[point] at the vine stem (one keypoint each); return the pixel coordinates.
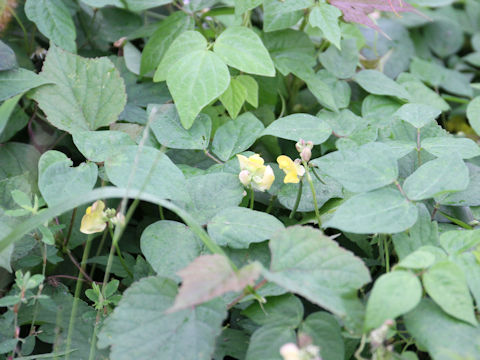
(314, 193)
(212, 157)
(76, 298)
(297, 200)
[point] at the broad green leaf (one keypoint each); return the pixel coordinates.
(146, 169)
(196, 79)
(53, 20)
(169, 131)
(300, 126)
(312, 265)
(444, 146)
(6, 110)
(325, 17)
(377, 83)
(266, 341)
(292, 51)
(241, 6)
(184, 44)
(444, 337)
(446, 284)
(418, 115)
(18, 159)
(133, 5)
(14, 82)
(278, 310)
(419, 259)
(242, 49)
(343, 123)
(6, 253)
(238, 227)
(445, 174)
(169, 246)
(467, 261)
(340, 89)
(325, 190)
(471, 195)
(341, 63)
(97, 145)
(251, 85)
(401, 148)
(211, 194)
(156, 47)
(393, 294)
(326, 333)
(423, 233)
(444, 37)
(132, 57)
(473, 114)
(140, 328)
(210, 276)
(383, 210)
(232, 342)
(456, 242)
(361, 169)
(234, 97)
(420, 93)
(236, 136)
(280, 15)
(58, 180)
(88, 93)
(8, 60)
(321, 91)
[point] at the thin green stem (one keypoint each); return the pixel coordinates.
(456, 221)
(318, 176)
(387, 254)
(160, 210)
(297, 200)
(78, 289)
(314, 193)
(419, 148)
(93, 343)
(20, 23)
(120, 256)
(252, 198)
(99, 251)
(270, 204)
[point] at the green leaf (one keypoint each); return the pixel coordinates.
(445, 174)
(132, 57)
(341, 63)
(146, 169)
(133, 5)
(445, 283)
(210, 276)
(300, 126)
(471, 195)
(473, 114)
(443, 146)
(242, 49)
(6, 253)
(280, 15)
(418, 115)
(420, 93)
(156, 47)
(184, 44)
(456, 242)
(321, 91)
(169, 131)
(88, 93)
(140, 328)
(383, 210)
(393, 294)
(312, 265)
(241, 6)
(97, 145)
(266, 341)
(169, 246)
(278, 310)
(58, 180)
(8, 60)
(6, 110)
(14, 82)
(238, 227)
(325, 17)
(419, 259)
(361, 169)
(443, 336)
(211, 194)
(53, 20)
(377, 83)
(196, 79)
(251, 85)
(234, 97)
(326, 333)
(444, 37)
(236, 136)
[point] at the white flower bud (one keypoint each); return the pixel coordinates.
(290, 351)
(244, 177)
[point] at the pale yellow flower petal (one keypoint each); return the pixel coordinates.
(291, 177)
(94, 219)
(285, 162)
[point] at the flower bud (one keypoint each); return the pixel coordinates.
(290, 351)
(306, 154)
(300, 145)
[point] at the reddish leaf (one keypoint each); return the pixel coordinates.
(358, 10)
(209, 276)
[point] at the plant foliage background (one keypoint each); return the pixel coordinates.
(136, 221)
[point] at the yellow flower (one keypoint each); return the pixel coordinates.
(292, 169)
(95, 219)
(254, 173)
